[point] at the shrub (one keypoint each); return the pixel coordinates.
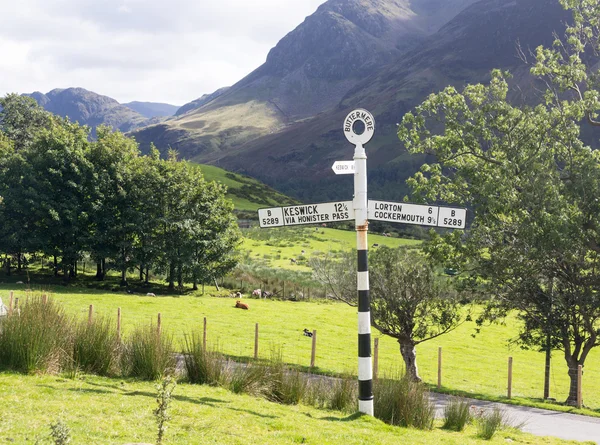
(148, 354)
(456, 414)
(36, 338)
(95, 346)
(343, 395)
(249, 378)
(163, 399)
(202, 367)
(403, 402)
(488, 422)
(60, 433)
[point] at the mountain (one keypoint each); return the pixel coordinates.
(484, 36)
(202, 100)
(308, 72)
(89, 108)
(152, 109)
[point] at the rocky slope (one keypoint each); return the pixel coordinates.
(308, 72)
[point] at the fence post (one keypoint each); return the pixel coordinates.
(158, 324)
(17, 305)
(256, 342)
(90, 314)
(579, 386)
(119, 324)
(204, 335)
(376, 358)
(44, 298)
(439, 382)
(314, 349)
(10, 302)
(510, 369)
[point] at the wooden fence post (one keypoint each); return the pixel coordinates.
(10, 302)
(158, 324)
(439, 382)
(204, 335)
(44, 298)
(17, 305)
(119, 324)
(90, 314)
(376, 359)
(510, 375)
(579, 386)
(256, 342)
(314, 349)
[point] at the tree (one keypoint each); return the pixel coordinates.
(409, 302)
(21, 119)
(115, 215)
(532, 185)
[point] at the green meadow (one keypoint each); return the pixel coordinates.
(110, 411)
(475, 366)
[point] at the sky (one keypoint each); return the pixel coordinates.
(170, 51)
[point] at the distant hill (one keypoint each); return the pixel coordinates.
(152, 109)
(92, 109)
(247, 194)
(308, 72)
(201, 101)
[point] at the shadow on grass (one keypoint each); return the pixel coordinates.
(349, 418)
(254, 413)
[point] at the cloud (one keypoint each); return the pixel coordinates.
(140, 49)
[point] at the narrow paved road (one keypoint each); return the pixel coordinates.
(537, 421)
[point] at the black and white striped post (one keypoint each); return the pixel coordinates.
(365, 370)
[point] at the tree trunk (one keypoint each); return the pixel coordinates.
(195, 282)
(147, 275)
(99, 275)
(55, 266)
(409, 354)
(171, 277)
(141, 272)
(19, 262)
(572, 399)
(8, 267)
(547, 367)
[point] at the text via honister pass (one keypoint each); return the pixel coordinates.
(306, 214)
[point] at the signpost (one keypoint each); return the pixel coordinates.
(361, 210)
(327, 212)
(343, 167)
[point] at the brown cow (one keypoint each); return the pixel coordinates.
(241, 305)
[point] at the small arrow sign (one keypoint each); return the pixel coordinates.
(343, 167)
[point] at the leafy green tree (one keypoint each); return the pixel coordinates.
(21, 119)
(532, 186)
(114, 213)
(60, 177)
(410, 302)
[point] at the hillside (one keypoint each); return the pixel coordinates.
(308, 72)
(152, 109)
(247, 194)
(481, 38)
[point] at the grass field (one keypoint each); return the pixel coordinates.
(278, 245)
(246, 193)
(476, 366)
(108, 411)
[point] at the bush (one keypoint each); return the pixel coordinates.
(249, 378)
(343, 395)
(96, 346)
(202, 367)
(403, 402)
(456, 414)
(488, 422)
(148, 354)
(35, 338)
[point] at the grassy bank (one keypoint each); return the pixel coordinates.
(473, 365)
(104, 411)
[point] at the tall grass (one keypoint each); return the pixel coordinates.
(36, 338)
(202, 367)
(148, 354)
(343, 395)
(456, 414)
(96, 346)
(251, 378)
(489, 422)
(403, 402)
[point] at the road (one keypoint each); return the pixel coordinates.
(537, 421)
